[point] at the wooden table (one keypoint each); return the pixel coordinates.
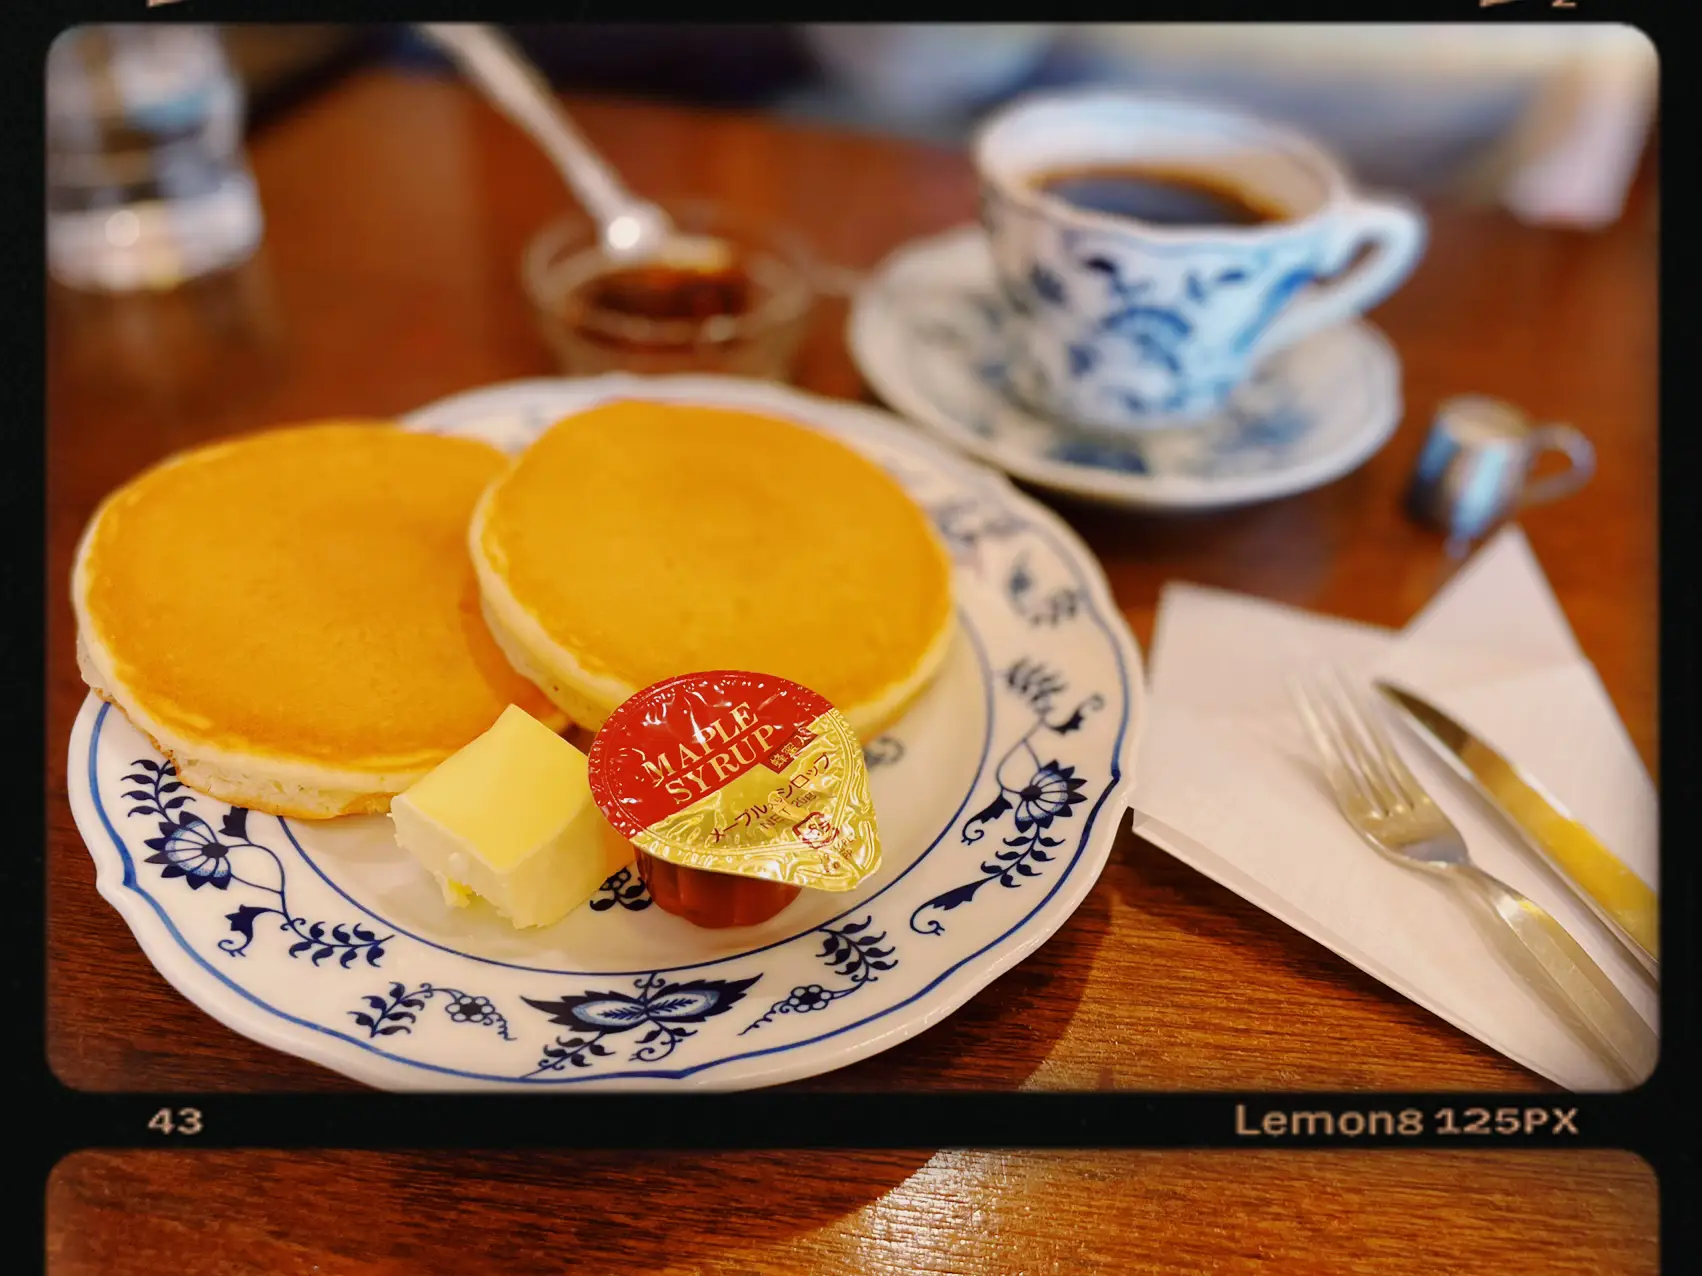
(1397, 1213)
(397, 208)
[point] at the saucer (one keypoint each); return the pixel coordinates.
(927, 333)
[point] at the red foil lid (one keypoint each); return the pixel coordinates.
(740, 773)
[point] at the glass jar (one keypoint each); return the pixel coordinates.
(743, 313)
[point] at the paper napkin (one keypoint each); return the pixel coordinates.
(1229, 784)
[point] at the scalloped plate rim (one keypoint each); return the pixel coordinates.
(237, 1010)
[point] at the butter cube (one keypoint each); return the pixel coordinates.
(454, 894)
(510, 819)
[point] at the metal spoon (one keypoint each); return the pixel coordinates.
(633, 229)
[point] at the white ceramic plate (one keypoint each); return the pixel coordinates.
(927, 333)
(998, 797)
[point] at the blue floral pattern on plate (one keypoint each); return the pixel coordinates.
(665, 1008)
(327, 941)
(400, 1007)
(189, 848)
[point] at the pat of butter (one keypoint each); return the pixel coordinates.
(510, 819)
(454, 894)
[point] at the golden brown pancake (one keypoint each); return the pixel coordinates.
(639, 540)
(292, 617)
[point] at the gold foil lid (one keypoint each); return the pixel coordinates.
(739, 773)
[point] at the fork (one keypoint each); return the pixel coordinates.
(1391, 811)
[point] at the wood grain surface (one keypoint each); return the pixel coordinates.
(397, 208)
(869, 1213)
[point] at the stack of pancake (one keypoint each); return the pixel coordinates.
(307, 620)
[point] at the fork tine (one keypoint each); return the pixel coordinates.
(1405, 787)
(1385, 793)
(1344, 778)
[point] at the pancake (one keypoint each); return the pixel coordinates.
(292, 618)
(640, 540)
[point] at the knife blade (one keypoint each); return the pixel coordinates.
(1618, 897)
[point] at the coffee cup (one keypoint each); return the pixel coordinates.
(1152, 251)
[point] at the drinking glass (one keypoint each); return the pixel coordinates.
(147, 181)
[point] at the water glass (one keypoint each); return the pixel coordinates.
(147, 181)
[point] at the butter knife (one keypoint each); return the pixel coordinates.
(1617, 896)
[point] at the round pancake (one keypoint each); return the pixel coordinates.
(639, 540)
(292, 617)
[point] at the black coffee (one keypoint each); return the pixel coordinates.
(1162, 197)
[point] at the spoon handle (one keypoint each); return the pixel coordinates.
(514, 86)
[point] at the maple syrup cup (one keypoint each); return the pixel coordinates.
(737, 790)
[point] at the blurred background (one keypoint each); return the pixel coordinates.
(1549, 120)
(149, 186)
(148, 183)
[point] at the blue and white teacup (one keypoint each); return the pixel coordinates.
(1117, 323)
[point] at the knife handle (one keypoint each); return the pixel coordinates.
(1618, 897)
(1565, 966)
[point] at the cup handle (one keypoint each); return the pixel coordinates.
(1395, 230)
(1576, 448)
